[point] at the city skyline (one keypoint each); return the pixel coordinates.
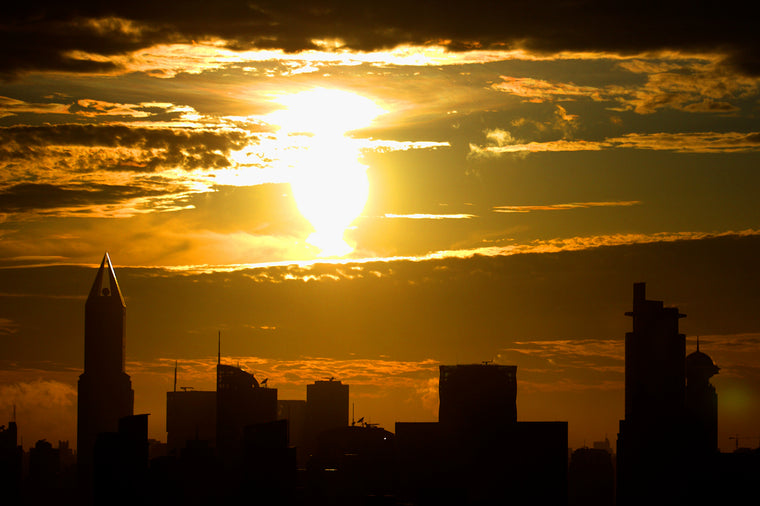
(367, 191)
(380, 387)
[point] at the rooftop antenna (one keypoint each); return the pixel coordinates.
(175, 375)
(353, 408)
(697, 343)
(219, 349)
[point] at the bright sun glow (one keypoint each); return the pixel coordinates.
(329, 184)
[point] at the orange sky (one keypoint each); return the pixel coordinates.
(343, 191)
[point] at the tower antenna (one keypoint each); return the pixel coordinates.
(219, 349)
(175, 375)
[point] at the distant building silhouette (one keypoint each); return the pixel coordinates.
(591, 478)
(105, 390)
(294, 411)
(474, 396)
(602, 445)
(702, 404)
(240, 401)
(44, 464)
(190, 415)
(326, 407)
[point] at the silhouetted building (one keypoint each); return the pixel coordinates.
(351, 465)
(121, 463)
(653, 440)
(478, 453)
(269, 463)
(105, 389)
(602, 445)
(44, 466)
(11, 459)
(591, 478)
(294, 411)
(190, 415)
(477, 395)
(240, 401)
(326, 407)
(701, 404)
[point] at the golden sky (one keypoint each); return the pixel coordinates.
(367, 191)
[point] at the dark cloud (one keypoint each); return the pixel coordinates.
(40, 197)
(42, 35)
(121, 136)
(160, 147)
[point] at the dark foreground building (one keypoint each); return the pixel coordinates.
(105, 390)
(478, 453)
(190, 416)
(667, 450)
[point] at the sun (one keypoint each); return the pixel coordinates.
(324, 112)
(329, 184)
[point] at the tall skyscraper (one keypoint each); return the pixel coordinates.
(105, 389)
(655, 367)
(652, 440)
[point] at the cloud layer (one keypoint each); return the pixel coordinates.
(85, 37)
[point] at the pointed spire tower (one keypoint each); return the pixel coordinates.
(105, 389)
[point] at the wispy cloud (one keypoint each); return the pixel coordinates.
(686, 142)
(44, 408)
(8, 327)
(304, 370)
(539, 90)
(424, 216)
(564, 207)
(697, 86)
(356, 267)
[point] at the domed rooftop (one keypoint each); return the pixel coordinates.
(700, 363)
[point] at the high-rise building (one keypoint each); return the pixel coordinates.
(477, 395)
(104, 389)
(326, 407)
(655, 367)
(652, 440)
